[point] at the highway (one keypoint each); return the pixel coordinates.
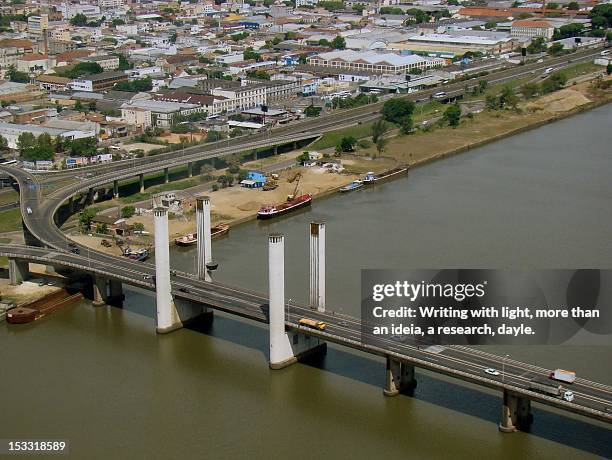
(591, 399)
(312, 127)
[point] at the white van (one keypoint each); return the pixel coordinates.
(549, 70)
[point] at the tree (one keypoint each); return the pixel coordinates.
(3, 144)
(552, 6)
(556, 49)
(452, 115)
(537, 45)
(609, 68)
(124, 63)
(101, 229)
(128, 211)
(407, 125)
(312, 111)
(554, 82)
(573, 6)
(16, 76)
(338, 43)
(508, 97)
(138, 227)
(347, 144)
(85, 219)
(249, 54)
(79, 20)
(529, 90)
(569, 30)
(213, 136)
(379, 128)
(601, 16)
(380, 145)
(396, 110)
(25, 141)
(84, 147)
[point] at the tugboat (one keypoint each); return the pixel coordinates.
(356, 184)
(293, 202)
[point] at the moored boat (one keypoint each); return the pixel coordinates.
(186, 240)
(273, 210)
(192, 238)
(356, 184)
(372, 178)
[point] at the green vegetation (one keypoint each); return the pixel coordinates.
(391, 10)
(569, 30)
(379, 128)
(312, 111)
(32, 148)
(10, 221)
(84, 147)
(357, 101)
(128, 211)
(16, 76)
(397, 110)
(82, 68)
(258, 74)
(135, 86)
(452, 115)
(85, 218)
(332, 5)
(346, 144)
(331, 139)
(601, 16)
(249, 54)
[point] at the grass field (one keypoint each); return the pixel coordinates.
(332, 138)
(10, 221)
(8, 196)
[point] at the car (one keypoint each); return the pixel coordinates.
(29, 210)
(42, 283)
(173, 272)
(72, 245)
(568, 396)
(440, 95)
(146, 277)
(492, 371)
(184, 289)
(75, 251)
(549, 70)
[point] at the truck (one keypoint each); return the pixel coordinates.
(542, 385)
(311, 323)
(563, 375)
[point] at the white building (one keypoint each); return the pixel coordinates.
(532, 29)
(161, 113)
(11, 132)
(371, 61)
(69, 10)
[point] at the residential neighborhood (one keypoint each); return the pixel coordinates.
(114, 69)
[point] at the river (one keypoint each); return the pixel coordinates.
(103, 379)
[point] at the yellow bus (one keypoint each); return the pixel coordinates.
(320, 325)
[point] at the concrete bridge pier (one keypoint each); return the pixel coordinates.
(254, 154)
(167, 316)
(71, 205)
(317, 266)
(89, 199)
(141, 180)
(115, 294)
(205, 262)
(166, 175)
(276, 150)
(516, 413)
(190, 169)
(19, 271)
(285, 349)
(100, 291)
(115, 189)
(399, 378)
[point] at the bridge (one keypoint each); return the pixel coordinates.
(196, 294)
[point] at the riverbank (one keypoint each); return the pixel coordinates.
(236, 205)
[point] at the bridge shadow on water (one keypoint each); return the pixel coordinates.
(432, 389)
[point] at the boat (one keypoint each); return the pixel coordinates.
(356, 184)
(372, 178)
(192, 238)
(293, 202)
(273, 210)
(136, 254)
(186, 240)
